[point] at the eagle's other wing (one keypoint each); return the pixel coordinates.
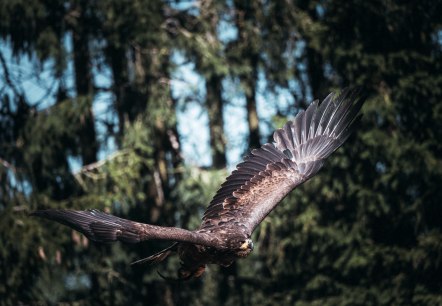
(269, 173)
(101, 227)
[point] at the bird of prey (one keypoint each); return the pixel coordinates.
(247, 196)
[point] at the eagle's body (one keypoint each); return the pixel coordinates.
(247, 196)
(194, 258)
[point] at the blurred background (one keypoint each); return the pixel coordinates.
(141, 108)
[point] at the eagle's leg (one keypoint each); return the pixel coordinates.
(184, 273)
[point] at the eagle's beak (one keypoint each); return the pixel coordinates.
(251, 246)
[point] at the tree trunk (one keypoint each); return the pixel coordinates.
(252, 113)
(214, 104)
(84, 85)
(248, 40)
(315, 72)
(118, 63)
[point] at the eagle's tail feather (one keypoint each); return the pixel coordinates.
(157, 257)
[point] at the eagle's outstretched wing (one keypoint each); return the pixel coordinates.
(101, 227)
(251, 192)
(269, 173)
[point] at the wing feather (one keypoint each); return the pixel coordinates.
(101, 227)
(269, 173)
(248, 168)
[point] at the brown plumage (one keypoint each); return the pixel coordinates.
(247, 196)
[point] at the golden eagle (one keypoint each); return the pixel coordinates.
(247, 196)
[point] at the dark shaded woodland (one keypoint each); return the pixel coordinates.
(366, 231)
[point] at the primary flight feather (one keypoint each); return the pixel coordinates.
(247, 196)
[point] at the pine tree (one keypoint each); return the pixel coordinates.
(366, 230)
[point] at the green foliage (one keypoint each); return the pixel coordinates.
(194, 191)
(366, 231)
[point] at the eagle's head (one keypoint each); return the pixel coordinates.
(245, 248)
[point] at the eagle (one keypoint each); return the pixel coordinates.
(248, 195)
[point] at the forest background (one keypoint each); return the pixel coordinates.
(141, 108)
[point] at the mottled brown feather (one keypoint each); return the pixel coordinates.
(247, 196)
(273, 170)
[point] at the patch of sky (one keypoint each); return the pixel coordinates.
(271, 101)
(192, 6)
(235, 122)
(438, 38)
(103, 110)
(380, 167)
(39, 86)
(187, 86)
(320, 10)
(34, 81)
(68, 79)
(188, 89)
(77, 281)
(101, 107)
(21, 185)
(226, 31)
